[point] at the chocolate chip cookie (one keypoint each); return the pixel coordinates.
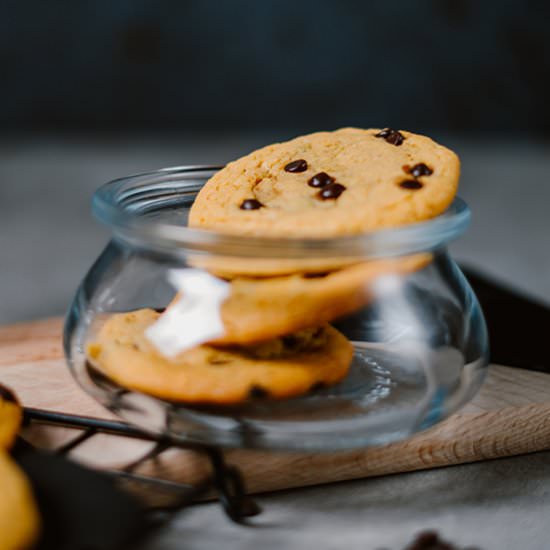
(330, 184)
(276, 369)
(260, 309)
(19, 519)
(11, 416)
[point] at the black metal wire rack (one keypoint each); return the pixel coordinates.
(226, 480)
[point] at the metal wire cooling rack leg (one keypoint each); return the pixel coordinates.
(225, 479)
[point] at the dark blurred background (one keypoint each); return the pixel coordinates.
(451, 65)
(90, 91)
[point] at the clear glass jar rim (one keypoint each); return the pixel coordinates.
(112, 207)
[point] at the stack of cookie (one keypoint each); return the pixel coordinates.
(277, 342)
(19, 517)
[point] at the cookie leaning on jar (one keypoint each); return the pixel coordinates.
(321, 186)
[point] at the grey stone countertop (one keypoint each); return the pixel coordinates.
(48, 239)
(497, 505)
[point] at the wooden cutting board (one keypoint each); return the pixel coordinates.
(510, 416)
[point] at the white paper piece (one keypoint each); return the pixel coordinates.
(195, 318)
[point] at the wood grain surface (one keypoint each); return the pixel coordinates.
(509, 416)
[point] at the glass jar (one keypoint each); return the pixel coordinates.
(420, 340)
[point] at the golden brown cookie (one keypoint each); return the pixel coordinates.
(19, 518)
(330, 184)
(211, 375)
(11, 416)
(260, 309)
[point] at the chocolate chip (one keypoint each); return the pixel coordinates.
(318, 332)
(413, 185)
(315, 275)
(420, 169)
(430, 540)
(250, 204)
(331, 191)
(291, 341)
(391, 136)
(299, 165)
(425, 541)
(317, 386)
(7, 395)
(320, 180)
(257, 392)
(214, 361)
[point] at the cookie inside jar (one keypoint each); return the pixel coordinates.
(280, 368)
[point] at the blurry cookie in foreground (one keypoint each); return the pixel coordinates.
(324, 185)
(278, 369)
(260, 309)
(11, 417)
(19, 518)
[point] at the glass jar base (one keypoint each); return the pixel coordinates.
(386, 396)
